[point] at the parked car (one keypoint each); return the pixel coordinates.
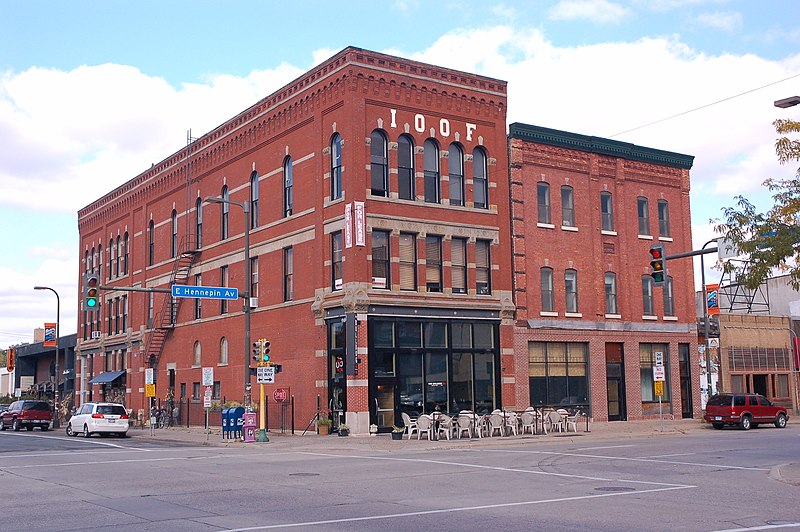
(4, 407)
(744, 409)
(28, 414)
(99, 418)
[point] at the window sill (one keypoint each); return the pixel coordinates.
(613, 316)
(665, 238)
(649, 318)
(222, 364)
(670, 318)
(573, 315)
(645, 237)
(608, 233)
(545, 226)
(549, 314)
(570, 228)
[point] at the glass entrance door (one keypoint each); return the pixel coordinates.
(615, 383)
(383, 398)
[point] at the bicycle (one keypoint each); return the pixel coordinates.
(164, 418)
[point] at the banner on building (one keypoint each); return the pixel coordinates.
(360, 224)
(712, 298)
(348, 225)
(49, 335)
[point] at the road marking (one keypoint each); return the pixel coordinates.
(497, 468)
(667, 455)
(630, 459)
(71, 438)
(604, 447)
(763, 527)
(96, 462)
(451, 510)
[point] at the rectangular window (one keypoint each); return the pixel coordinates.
(648, 309)
(480, 182)
(288, 270)
(380, 259)
(216, 391)
(663, 218)
(611, 293)
(150, 303)
(431, 171)
(546, 282)
(223, 281)
(433, 263)
(558, 373)
(567, 207)
(483, 267)
(543, 203)
(196, 390)
(606, 211)
(124, 313)
(455, 162)
(336, 260)
(405, 167)
(669, 301)
(644, 216)
(571, 290)
(647, 358)
(379, 168)
(198, 309)
(408, 261)
(253, 277)
(458, 259)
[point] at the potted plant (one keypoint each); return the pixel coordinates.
(397, 432)
(344, 430)
(324, 426)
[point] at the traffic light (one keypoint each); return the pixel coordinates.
(658, 264)
(257, 350)
(11, 356)
(91, 291)
(265, 350)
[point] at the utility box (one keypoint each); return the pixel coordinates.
(249, 427)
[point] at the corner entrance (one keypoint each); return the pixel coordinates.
(615, 382)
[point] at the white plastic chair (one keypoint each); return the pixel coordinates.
(512, 422)
(465, 422)
(445, 425)
(424, 424)
(410, 424)
(555, 421)
(528, 421)
(496, 423)
(572, 421)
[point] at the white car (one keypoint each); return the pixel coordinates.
(100, 418)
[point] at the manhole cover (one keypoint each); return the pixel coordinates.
(303, 474)
(614, 488)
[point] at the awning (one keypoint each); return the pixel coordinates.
(107, 376)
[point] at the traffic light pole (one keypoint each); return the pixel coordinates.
(58, 345)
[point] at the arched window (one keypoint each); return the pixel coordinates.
(125, 251)
(223, 351)
(571, 290)
(610, 280)
(606, 211)
(379, 163)
(151, 245)
(431, 171)
(405, 168)
(198, 226)
(86, 261)
(669, 301)
(118, 252)
(336, 166)
(663, 219)
(480, 179)
(112, 251)
(543, 203)
(567, 206)
(546, 281)
(648, 308)
(643, 211)
(225, 210)
(288, 198)
(198, 355)
(455, 170)
(254, 199)
(174, 240)
(99, 260)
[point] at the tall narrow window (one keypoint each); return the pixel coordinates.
(336, 166)
(647, 296)
(571, 290)
(198, 359)
(124, 308)
(288, 272)
(480, 180)
(288, 198)
(433, 263)
(567, 207)
(198, 308)
(198, 226)
(379, 163)
(644, 216)
(174, 240)
(336, 260)
(455, 167)
(225, 210)
(546, 281)
(125, 251)
(458, 259)
(223, 351)
(112, 252)
(431, 171)
(253, 277)
(543, 203)
(118, 253)
(483, 267)
(254, 199)
(606, 211)
(611, 293)
(408, 261)
(669, 301)
(380, 259)
(405, 168)
(150, 309)
(223, 281)
(663, 218)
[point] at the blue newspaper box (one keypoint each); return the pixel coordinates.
(232, 422)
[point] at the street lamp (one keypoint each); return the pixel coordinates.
(791, 101)
(245, 205)
(58, 341)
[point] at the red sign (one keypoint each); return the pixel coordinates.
(279, 395)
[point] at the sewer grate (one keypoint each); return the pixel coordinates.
(303, 474)
(614, 488)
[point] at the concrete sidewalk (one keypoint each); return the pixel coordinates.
(598, 432)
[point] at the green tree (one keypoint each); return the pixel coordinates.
(770, 239)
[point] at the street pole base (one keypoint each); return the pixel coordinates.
(262, 436)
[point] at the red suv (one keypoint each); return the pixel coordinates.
(744, 409)
(27, 414)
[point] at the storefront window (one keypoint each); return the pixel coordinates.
(557, 373)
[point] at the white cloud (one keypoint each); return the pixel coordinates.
(729, 21)
(594, 10)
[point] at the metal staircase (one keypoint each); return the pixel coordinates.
(164, 321)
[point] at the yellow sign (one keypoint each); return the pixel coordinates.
(150, 390)
(659, 388)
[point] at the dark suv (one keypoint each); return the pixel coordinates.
(744, 409)
(27, 414)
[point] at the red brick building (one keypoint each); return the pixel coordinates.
(591, 324)
(376, 189)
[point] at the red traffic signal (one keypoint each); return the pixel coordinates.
(658, 264)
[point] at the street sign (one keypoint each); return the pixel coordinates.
(659, 388)
(150, 390)
(148, 376)
(265, 375)
(659, 358)
(713, 342)
(659, 375)
(280, 395)
(205, 292)
(208, 376)
(207, 398)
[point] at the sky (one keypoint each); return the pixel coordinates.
(94, 92)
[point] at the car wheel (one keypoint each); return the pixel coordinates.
(86, 432)
(746, 423)
(2, 426)
(29, 428)
(122, 434)
(16, 426)
(70, 432)
(718, 426)
(780, 421)
(44, 428)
